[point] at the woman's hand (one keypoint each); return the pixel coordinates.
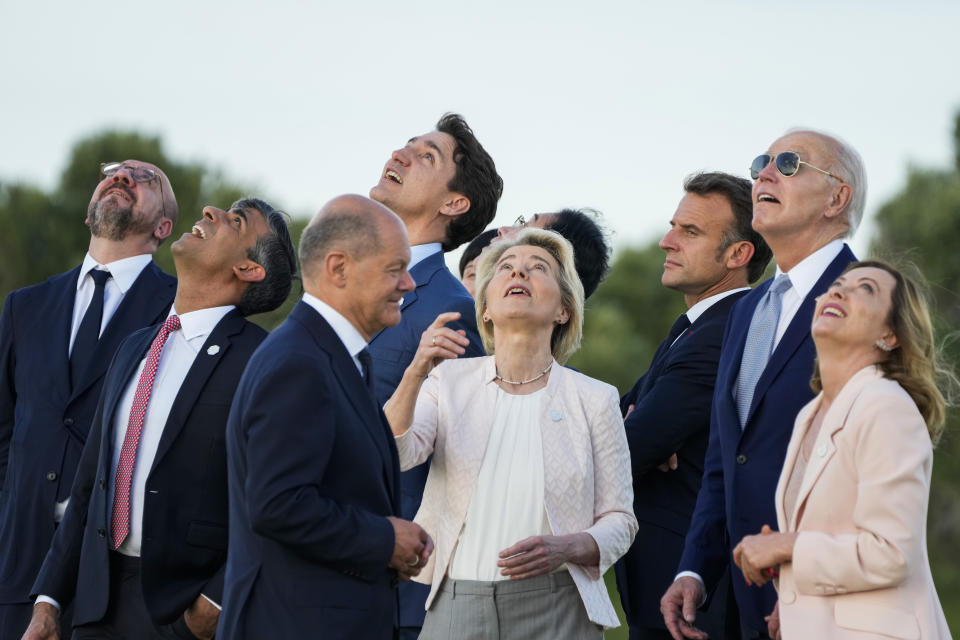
(773, 622)
(538, 555)
(438, 343)
(760, 556)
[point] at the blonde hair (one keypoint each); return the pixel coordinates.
(566, 337)
(915, 364)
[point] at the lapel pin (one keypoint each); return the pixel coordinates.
(556, 415)
(213, 350)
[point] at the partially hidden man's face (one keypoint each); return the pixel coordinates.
(414, 180)
(693, 263)
(121, 206)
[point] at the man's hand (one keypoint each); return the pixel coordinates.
(679, 608)
(201, 618)
(412, 547)
(773, 622)
(44, 623)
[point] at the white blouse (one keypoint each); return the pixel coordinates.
(507, 503)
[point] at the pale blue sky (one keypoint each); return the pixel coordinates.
(601, 104)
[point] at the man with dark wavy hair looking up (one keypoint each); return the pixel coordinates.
(444, 186)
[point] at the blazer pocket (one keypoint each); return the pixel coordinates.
(884, 621)
(206, 534)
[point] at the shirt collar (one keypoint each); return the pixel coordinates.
(806, 273)
(699, 308)
(200, 323)
(123, 272)
(421, 252)
(351, 338)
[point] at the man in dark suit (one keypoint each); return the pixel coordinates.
(315, 549)
(712, 254)
(444, 186)
(141, 550)
(56, 340)
(808, 193)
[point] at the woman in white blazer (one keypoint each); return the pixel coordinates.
(852, 497)
(529, 495)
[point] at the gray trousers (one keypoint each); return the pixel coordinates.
(547, 607)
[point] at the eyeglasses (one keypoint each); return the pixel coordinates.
(139, 174)
(788, 163)
(520, 221)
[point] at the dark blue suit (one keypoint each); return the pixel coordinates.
(742, 467)
(43, 421)
(184, 546)
(313, 474)
(392, 351)
(671, 415)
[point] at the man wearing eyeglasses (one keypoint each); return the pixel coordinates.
(808, 194)
(444, 186)
(56, 340)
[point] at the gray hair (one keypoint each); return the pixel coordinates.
(847, 164)
(357, 235)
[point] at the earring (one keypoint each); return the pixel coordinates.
(883, 346)
(486, 318)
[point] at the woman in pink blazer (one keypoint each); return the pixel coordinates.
(852, 497)
(529, 496)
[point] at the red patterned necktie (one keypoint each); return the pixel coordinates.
(120, 527)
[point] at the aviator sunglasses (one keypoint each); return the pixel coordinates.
(788, 163)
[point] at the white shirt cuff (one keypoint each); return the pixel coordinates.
(207, 598)
(48, 600)
(703, 587)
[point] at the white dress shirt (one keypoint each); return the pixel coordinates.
(421, 252)
(123, 273)
(348, 334)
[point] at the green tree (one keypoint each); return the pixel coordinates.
(921, 224)
(42, 234)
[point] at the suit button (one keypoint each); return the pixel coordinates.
(787, 597)
(101, 533)
(741, 459)
(68, 422)
(51, 476)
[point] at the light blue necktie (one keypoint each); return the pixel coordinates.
(759, 346)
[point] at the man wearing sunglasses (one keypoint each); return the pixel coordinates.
(808, 194)
(56, 340)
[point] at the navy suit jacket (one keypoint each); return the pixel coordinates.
(392, 351)
(184, 545)
(671, 415)
(43, 421)
(313, 474)
(742, 467)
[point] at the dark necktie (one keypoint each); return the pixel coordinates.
(367, 363)
(88, 333)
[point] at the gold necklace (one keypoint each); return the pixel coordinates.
(518, 382)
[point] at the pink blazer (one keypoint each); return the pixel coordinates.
(588, 486)
(860, 567)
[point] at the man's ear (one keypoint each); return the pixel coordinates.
(336, 264)
(163, 229)
(738, 254)
(455, 205)
(839, 201)
(249, 271)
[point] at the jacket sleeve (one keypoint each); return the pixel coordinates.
(892, 458)
(416, 445)
(676, 408)
(614, 524)
(287, 449)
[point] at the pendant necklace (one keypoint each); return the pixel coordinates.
(519, 382)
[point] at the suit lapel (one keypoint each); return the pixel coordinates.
(145, 302)
(352, 384)
(58, 357)
(472, 433)
(204, 364)
(421, 273)
(799, 328)
(121, 377)
(835, 419)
